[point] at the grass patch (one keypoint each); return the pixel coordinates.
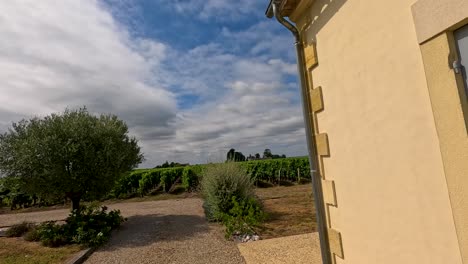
(18, 251)
(290, 209)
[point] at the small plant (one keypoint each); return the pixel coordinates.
(219, 184)
(243, 217)
(18, 229)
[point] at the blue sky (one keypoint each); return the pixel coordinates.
(191, 78)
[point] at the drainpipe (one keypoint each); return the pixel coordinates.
(310, 132)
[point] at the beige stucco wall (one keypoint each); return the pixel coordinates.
(432, 17)
(392, 198)
(448, 100)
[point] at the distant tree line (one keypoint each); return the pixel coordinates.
(236, 156)
(171, 165)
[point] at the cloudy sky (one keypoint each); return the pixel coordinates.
(192, 78)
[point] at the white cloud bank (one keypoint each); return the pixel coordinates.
(67, 53)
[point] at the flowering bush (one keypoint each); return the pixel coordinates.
(90, 226)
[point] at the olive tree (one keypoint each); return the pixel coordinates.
(72, 154)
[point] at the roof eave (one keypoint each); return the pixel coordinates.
(269, 11)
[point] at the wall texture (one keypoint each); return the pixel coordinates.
(433, 17)
(384, 156)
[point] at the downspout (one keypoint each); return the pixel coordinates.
(310, 132)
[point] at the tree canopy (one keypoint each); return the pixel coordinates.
(267, 154)
(235, 156)
(73, 154)
(171, 165)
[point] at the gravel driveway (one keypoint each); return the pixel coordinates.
(169, 231)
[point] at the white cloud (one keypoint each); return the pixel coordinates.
(59, 54)
(67, 53)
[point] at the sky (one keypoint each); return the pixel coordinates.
(191, 78)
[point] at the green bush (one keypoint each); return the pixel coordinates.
(18, 229)
(220, 183)
(91, 226)
(53, 235)
(243, 217)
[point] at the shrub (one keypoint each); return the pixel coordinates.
(18, 229)
(52, 234)
(92, 226)
(220, 183)
(243, 217)
(33, 234)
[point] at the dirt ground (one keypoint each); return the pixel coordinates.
(175, 230)
(167, 231)
(291, 210)
(171, 231)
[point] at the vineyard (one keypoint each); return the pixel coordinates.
(143, 182)
(148, 181)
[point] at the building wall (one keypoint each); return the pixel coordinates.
(384, 156)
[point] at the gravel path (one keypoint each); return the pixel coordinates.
(33, 217)
(169, 231)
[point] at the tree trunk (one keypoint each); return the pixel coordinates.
(75, 198)
(76, 203)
